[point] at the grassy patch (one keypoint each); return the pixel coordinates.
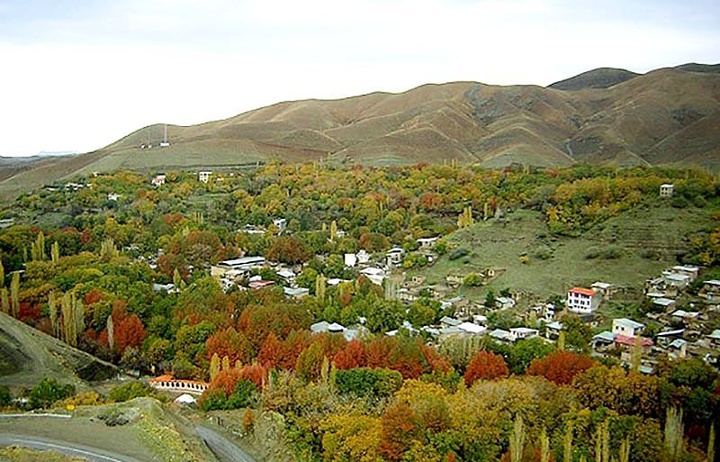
(624, 251)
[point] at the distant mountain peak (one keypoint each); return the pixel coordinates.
(602, 77)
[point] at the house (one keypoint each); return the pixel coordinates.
(677, 349)
(664, 303)
(665, 338)
(280, 224)
(296, 292)
(667, 189)
(243, 264)
(471, 328)
(715, 338)
(324, 326)
(350, 260)
(113, 197)
(376, 275)
(686, 316)
(552, 330)
(710, 291)
(504, 303)
(603, 340)
(688, 270)
(260, 284)
(626, 343)
(447, 321)
(427, 243)
(520, 333)
(405, 295)
(628, 327)
(363, 257)
(603, 288)
(581, 300)
(502, 335)
(158, 180)
(394, 256)
(288, 276)
(677, 280)
(453, 280)
(204, 176)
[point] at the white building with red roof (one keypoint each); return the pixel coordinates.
(582, 300)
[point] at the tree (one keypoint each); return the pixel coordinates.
(560, 367)
(47, 392)
(398, 430)
(485, 366)
(288, 249)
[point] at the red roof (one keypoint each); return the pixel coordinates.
(630, 341)
(169, 378)
(583, 291)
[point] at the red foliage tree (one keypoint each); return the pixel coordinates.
(230, 343)
(270, 351)
(485, 366)
(351, 357)
(93, 296)
(398, 428)
(226, 381)
(434, 359)
(128, 329)
(560, 367)
(256, 374)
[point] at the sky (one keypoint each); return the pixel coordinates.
(78, 75)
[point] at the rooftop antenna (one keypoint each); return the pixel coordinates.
(164, 143)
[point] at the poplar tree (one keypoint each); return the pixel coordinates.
(15, 294)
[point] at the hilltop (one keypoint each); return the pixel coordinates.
(605, 116)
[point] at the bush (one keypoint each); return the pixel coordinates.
(88, 398)
(47, 392)
(5, 397)
(472, 280)
(130, 391)
(458, 253)
(380, 383)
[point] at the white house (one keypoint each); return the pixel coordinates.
(581, 300)
(628, 327)
(204, 176)
(520, 333)
(394, 256)
(351, 260)
(427, 243)
(158, 180)
(667, 189)
(239, 264)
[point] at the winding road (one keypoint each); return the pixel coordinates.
(70, 449)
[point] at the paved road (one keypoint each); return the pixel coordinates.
(71, 449)
(224, 449)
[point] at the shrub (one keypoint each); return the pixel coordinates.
(458, 253)
(367, 382)
(47, 392)
(130, 391)
(472, 280)
(5, 397)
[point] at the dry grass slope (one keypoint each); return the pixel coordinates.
(605, 116)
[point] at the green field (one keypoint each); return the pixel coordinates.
(630, 248)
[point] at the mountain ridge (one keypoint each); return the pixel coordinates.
(603, 116)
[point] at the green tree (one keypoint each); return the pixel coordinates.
(47, 392)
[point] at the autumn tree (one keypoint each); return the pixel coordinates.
(560, 367)
(485, 366)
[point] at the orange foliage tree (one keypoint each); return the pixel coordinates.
(485, 366)
(398, 429)
(230, 343)
(352, 356)
(560, 367)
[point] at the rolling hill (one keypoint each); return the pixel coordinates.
(27, 355)
(604, 116)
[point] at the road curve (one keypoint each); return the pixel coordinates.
(224, 449)
(70, 449)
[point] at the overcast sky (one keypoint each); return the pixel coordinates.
(78, 75)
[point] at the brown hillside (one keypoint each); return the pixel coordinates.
(667, 116)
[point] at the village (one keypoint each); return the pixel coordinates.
(676, 306)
